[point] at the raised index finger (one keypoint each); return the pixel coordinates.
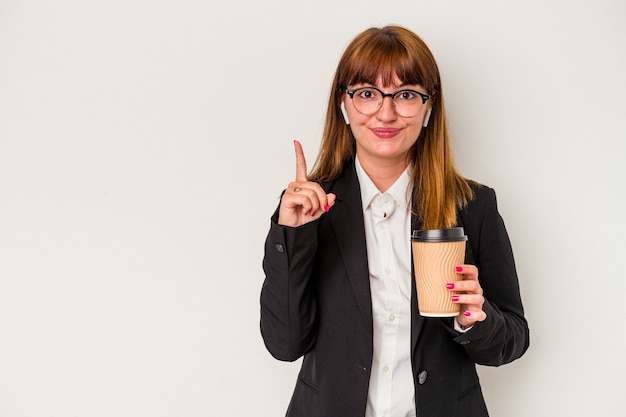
(300, 162)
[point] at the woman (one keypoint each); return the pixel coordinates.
(339, 288)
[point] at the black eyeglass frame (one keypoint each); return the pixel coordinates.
(425, 97)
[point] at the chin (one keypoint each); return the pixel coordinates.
(389, 151)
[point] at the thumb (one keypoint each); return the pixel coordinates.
(332, 198)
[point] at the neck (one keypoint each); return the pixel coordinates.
(383, 173)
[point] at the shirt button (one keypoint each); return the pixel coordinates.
(385, 368)
(392, 317)
(387, 271)
(381, 226)
(280, 248)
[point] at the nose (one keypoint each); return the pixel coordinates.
(387, 111)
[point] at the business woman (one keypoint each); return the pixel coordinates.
(339, 288)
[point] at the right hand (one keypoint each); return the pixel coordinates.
(303, 201)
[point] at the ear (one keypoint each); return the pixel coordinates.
(427, 117)
(344, 112)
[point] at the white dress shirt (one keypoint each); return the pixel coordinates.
(388, 236)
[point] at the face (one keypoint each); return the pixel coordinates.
(385, 137)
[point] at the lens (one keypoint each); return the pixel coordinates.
(367, 100)
(407, 103)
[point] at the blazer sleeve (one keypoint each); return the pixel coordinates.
(504, 335)
(288, 308)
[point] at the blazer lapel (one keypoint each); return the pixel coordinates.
(347, 221)
(417, 321)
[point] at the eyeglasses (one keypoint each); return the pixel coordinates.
(368, 100)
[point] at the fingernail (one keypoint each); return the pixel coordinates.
(326, 208)
(459, 268)
(455, 298)
(313, 214)
(467, 314)
(450, 285)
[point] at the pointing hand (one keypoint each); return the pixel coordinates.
(303, 200)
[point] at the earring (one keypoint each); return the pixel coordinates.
(427, 117)
(344, 113)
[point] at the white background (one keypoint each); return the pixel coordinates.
(144, 144)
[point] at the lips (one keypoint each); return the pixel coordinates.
(385, 133)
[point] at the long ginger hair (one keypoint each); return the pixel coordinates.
(383, 54)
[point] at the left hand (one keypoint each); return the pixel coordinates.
(470, 296)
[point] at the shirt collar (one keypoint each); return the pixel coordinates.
(399, 190)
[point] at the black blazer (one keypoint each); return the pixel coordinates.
(316, 302)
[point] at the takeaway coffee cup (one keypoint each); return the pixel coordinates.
(435, 254)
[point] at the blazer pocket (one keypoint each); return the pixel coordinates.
(471, 403)
(305, 401)
(468, 392)
(308, 386)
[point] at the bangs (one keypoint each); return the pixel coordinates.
(383, 59)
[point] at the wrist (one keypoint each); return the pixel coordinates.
(461, 327)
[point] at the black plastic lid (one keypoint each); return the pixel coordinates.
(455, 234)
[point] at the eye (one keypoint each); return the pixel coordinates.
(368, 94)
(406, 95)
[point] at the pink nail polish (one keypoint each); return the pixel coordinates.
(455, 298)
(467, 314)
(313, 214)
(450, 285)
(459, 269)
(326, 208)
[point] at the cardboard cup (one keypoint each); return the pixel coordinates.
(435, 254)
